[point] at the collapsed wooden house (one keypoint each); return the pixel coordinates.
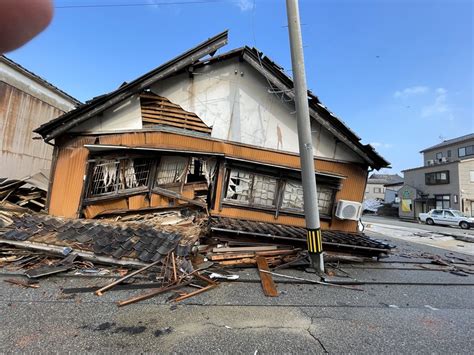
(216, 132)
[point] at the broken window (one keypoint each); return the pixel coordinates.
(252, 189)
(240, 185)
(171, 169)
(293, 197)
(119, 174)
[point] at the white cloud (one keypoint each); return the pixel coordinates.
(439, 106)
(381, 145)
(411, 91)
(244, 5)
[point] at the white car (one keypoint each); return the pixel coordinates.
(447, 217)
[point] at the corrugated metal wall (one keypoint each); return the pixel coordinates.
(20, 113)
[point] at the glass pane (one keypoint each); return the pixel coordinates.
(264, 189)
(240, 183)
(293, 195)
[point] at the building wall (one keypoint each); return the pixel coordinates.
(20, 113)
(70, 167)
(370, 189)
(123, 116)
(237, 102)
(406, 208)
(466, 183)
(416, 179)
(431, 154)
(25, 104)
(391, 193)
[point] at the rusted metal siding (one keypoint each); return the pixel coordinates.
(68, 177)
(20, 113)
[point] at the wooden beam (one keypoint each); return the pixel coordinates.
(269, 288)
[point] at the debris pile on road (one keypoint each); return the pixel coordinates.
(178, 249)
(28, 192)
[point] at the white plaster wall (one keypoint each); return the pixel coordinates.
(25, 83)
(123, 116)
(235, 100)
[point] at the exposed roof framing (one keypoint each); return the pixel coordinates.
(157, 110)
(62, 124)
(262, 64)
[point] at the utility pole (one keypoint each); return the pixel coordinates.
(308, 176)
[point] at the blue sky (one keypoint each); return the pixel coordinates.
(398, 72)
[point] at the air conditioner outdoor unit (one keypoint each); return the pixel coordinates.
(444, 160)
(430, 162)
(350, 210)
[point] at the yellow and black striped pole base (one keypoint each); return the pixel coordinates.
(314, 240)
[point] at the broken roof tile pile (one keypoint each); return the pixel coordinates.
(115, 239)
(332, 240)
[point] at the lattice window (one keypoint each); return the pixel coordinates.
(293, 197)
(111, 176)
(252, 189)
(264, 190)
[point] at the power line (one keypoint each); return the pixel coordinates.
(195, 2)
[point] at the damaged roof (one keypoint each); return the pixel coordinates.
(264, 65)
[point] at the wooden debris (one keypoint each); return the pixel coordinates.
(120, 280)
(22, 283)
(188, 295)
(269, 288)
(152, 294)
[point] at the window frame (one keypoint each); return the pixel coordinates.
(281, 183)
(118, 191)
(445, 199)
(466, 151)
(436, 180)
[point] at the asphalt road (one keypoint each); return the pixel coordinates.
(403, 308)
(397, 222)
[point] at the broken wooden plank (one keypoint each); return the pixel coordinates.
(100, 291)
(188, 295)
(152, 294)
(47, 270)
(178, 196)
(21, 283)
(244, 249)
(269, 288)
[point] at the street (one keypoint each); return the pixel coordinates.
(396, 222)
(449, 238)
(408, 305)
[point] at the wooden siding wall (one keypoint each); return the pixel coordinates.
(72, 156)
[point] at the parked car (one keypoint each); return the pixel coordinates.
(447, 217)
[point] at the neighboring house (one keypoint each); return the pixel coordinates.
(391, 192)
(218, 132)
(375, 189)
(445, 181)
(26, 101)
